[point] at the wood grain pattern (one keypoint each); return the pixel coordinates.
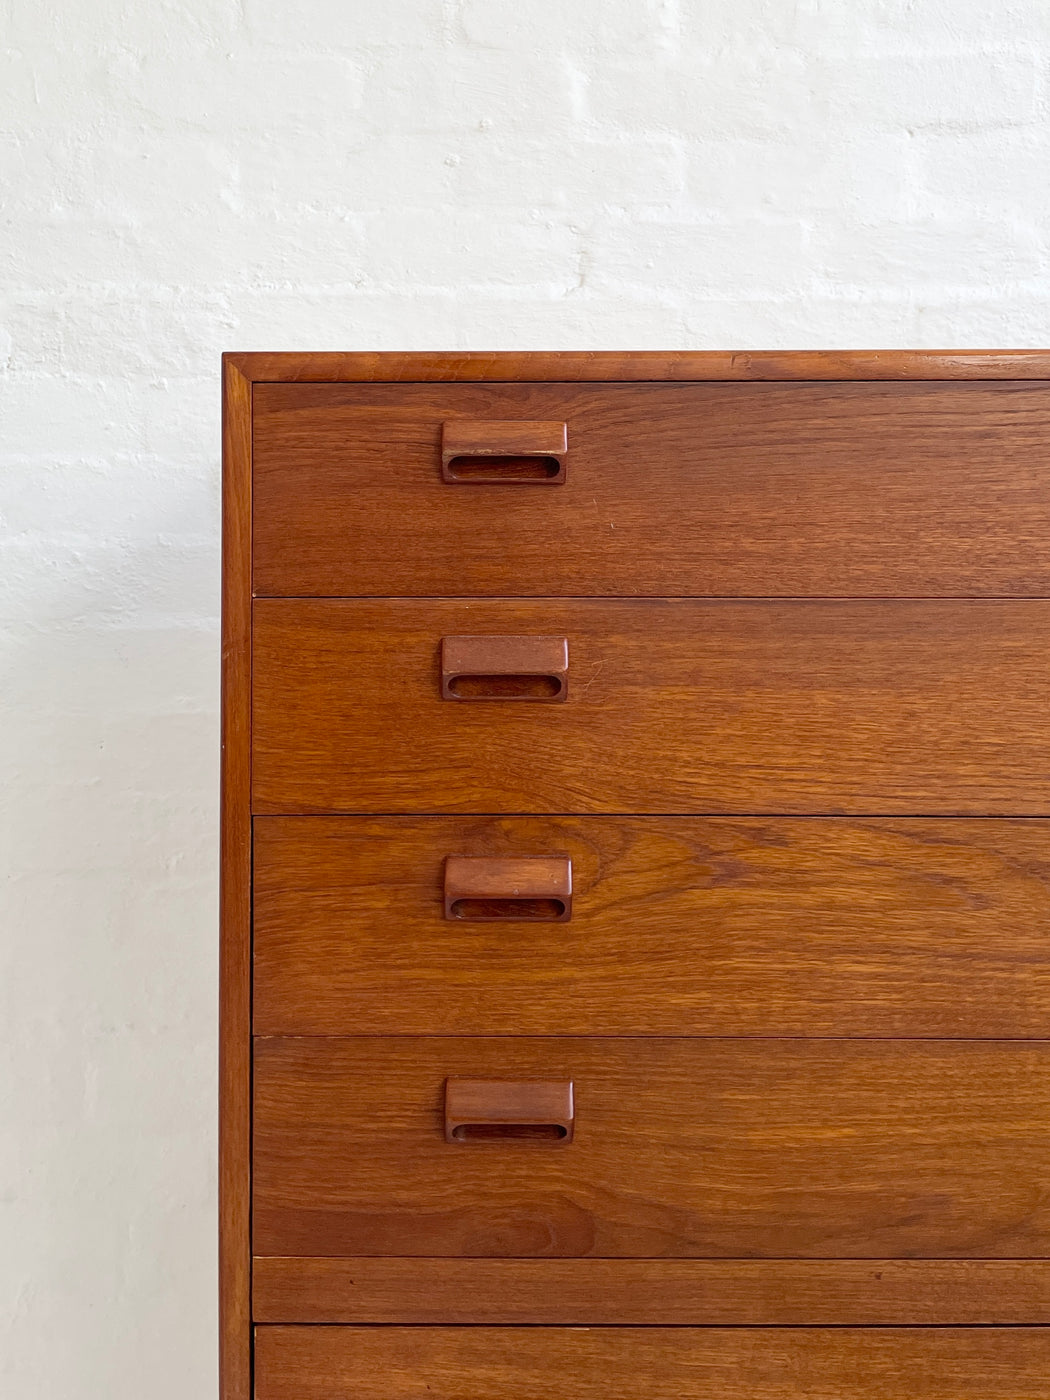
(680, 926)
(509, 1108)
(910, 707)
(652, 1363)
(687, 489)
(755, 1217)
(524, 669)
(450, 366)
(650, 1292)
(485, 450)
(235, 1360)
(683, 1148)
(511, 888)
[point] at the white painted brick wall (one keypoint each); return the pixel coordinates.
(184, 176)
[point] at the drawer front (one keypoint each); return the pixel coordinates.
(686, 1148)
(653, 1292)
(909, 707)
(893, 489)
(678, 926)
(651, 1363)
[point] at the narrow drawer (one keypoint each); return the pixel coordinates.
(652, 1363)
(863, 707)
(677, 1148)
(677, 926)
(821, 489)
(653, 1292)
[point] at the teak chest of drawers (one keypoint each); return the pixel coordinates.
(636, 877)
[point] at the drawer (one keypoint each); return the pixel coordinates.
(652, 1363)
(653, 1292)
(862, 707)
(821, 489)
(679, 1148)
(678, 926)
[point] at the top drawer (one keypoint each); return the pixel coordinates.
(720, 489)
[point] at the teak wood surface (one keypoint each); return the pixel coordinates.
(718, 489)
(882, 474)
(674, 706)
(651, 1292)
(683, 1148)
(235, 931)
(638, 366)
(652, 1363)
(494, 888)
(680, 926)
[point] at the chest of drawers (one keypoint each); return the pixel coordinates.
(636, 877)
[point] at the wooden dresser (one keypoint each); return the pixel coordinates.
(636, 877)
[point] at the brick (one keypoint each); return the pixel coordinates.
(847, 172)
(360, 172)
(584, 172)
(932, 253)
(676, 259)
(740, 24)
(966, 91)
(156, 331)
(960, 23)
(751, 91)
(427, 98)
(61, 416)
(1017, 318)
(332, 319)
(971, 173)
(551, 25)
(86, 29)
(577, 318)
(345, 24)
(473, 248)
(813, 320)
(864, 27)
(240, 89)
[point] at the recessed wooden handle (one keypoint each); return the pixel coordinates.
(479, 1110)
(532, 889)
(481, 452)
(505, 668)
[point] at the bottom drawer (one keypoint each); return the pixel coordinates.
(651, 1363)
